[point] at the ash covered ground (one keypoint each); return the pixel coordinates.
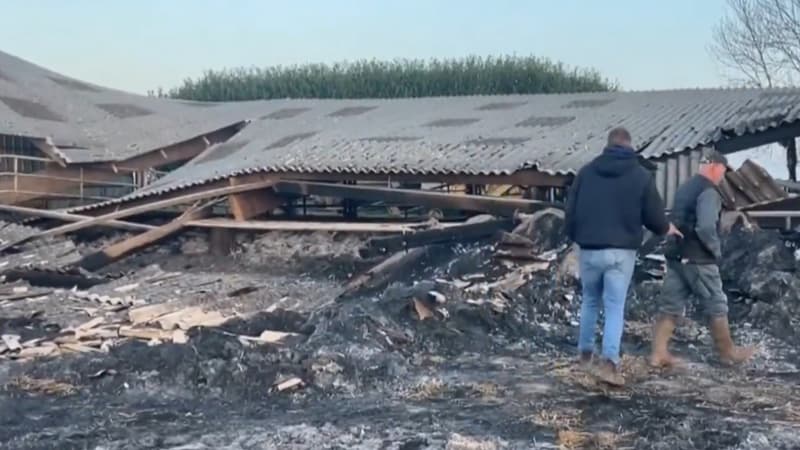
(462, 350)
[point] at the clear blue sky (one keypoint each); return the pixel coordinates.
(140, 45)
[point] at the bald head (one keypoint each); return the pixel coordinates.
(619, 137)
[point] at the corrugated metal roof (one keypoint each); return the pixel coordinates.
(475, 135)
(89, 123)
(481, 134)
(554, 133)
(478, 135)
(749, 186)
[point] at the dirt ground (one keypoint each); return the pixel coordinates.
(490, 367)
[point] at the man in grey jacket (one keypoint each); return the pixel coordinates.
(692, 265)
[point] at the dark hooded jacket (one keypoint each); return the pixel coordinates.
(611, 199)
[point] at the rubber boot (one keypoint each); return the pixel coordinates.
(662, 333)
(608, 372)
(728, 353)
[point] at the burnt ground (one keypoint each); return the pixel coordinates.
(492, 368)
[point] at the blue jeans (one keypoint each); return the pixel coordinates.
(605, 275)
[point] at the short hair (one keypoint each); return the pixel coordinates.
(619, 136)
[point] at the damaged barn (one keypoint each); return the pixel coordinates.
(370, 274)
(465, 344)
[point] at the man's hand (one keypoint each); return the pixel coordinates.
(674, 231)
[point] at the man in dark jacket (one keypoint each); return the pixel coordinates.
(611, 199)
(692, 265)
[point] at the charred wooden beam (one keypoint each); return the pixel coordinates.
(119, 250)
(68, 217)
(152, 206)
(519, 178)
(54, 279)
(384, 272)
(467, 232)
(490, 205)
(247, 205)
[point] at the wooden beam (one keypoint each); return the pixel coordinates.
(119, 250)
(247, 205)
(334, 227)
(469, 231)
(519, 178)
(155, 205)
(68, 217)
(383, 273)
(491, 205)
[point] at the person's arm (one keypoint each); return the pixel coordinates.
(709, 204)
(654, 217)
(569, 209)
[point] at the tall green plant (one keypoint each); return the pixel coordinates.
(472, 75)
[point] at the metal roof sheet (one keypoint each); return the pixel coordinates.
(481, 135)
(89, 123)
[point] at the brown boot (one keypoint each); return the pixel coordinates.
(607, 372)
(728, 353)
(585, 358)
(662, 333)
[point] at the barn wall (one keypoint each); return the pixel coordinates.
(671, 172)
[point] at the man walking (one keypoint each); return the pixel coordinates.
(692, 265)
(611, 199)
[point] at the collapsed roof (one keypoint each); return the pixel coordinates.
(554, 133)
(88, 123)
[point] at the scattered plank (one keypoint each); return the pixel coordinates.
(68, 217)
(492, 205)
(97, 321)
(11, 342)
(41, 351)
(146, 314)
(83, 347)
(187, 318)
(147, 334)
(291, 383)
(468, 231)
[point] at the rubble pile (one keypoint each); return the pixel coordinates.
(468, 331)
(760, 271)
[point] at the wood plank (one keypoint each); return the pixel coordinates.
(146, 314)
(382, 273)
(246, 205)
(491, 205)
(68, 217)
(148, 334)
(468, 231)
(287, 225)
(151, 206)
(121, 249)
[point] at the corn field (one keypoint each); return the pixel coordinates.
(392, 79)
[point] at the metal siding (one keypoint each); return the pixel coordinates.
(672, 174)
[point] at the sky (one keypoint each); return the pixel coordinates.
(145, 44)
